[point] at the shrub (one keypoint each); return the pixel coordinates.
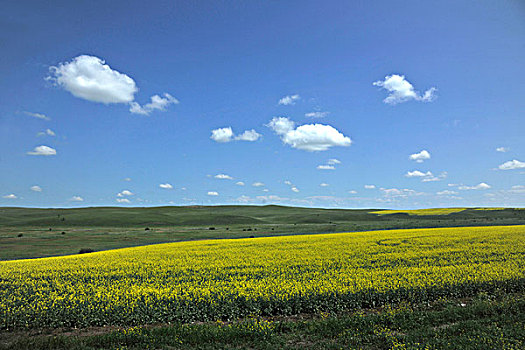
(85, 250)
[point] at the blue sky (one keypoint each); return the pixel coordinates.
(297, 103)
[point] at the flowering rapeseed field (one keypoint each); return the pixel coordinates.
(227, 279)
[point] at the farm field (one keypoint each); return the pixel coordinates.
(30, 233)
(228, 280)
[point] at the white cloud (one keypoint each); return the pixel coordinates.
(223, 176)
(89, 78)
(324, 184)
(166, 186)
(123, 200)
(258, 184)
(370, 187)
(399, 193)
(326, 167)
(308, 137)
(240, 183)
(512, 164)
(401, 90)
(440, 177)
(37, 115)
(76, 199)
(480, 186)
(266, 190)
(248, 135)
(295, 189)
(10, 196)
(289, 100)
(48, 132)
(157, 103)
(222, 135)
(352, 192)
(127, 179)
(417, 173)
(226, 135)
(288, 182)
(213, 193)
(36, 188)
(502, 149)
(42, 151)
(446, 193)
(125, 193)
(333, 161)
(420, 157)
(316, 114)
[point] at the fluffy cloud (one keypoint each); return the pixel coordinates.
(289, 100)
(420, 157)
(512, 164)
(480, 186)
(370, 187)
(36, 188)
(43, 151)
(10, 196)
(316, 114)
(402, 91)
(157, 103)
(502, 149)
(223, 176)
(76, 199)
(240, 183)
(288, 182)
(440, 177)
(333, 161)
(125, 193)
(166, 186)
(90, 78)
(295, 189)
(213, 193)
(123, 200)
(324, 184)
(37, 115)
(223, 135)
(417, 173)
(326, 167)
(258, 184)
(308, 137)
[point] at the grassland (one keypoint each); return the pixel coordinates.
(29, 233)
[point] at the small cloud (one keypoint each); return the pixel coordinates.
(370, 187)
(333, 161)
(127, 179)
(38, 115)
(502, 149)
(289, 100)
(123, 200)
(157, 103)
(452, 185)
(223, 135)
(308, 137)
(326, 167)
(402, 91)
(417, 173)
(480, 186)
(125, 193)
(240, 183)
(420, 157)
(36, 188)
(295, 189)
(76, 199)
(166, 186)
(42, 151)
(223, 177)
(258, 184)
(248, 135)
(446, 193)
(352, 192)
(316, 114)
(10, 196)
(48, 132)
(440, 177)
(512, 164)
(324, 184)
(266, 190)
(288, 182)
(213, 193)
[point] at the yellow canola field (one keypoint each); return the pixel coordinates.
(225, 279)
